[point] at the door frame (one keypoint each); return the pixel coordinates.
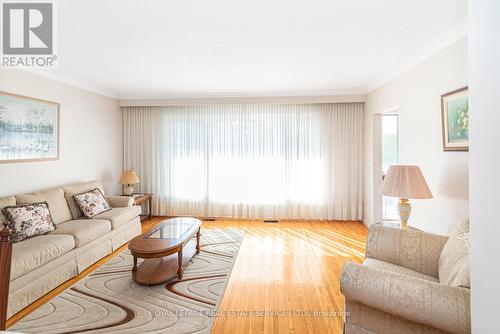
(378, 172)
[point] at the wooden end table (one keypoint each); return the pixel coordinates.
(158, 247)
(142, 198)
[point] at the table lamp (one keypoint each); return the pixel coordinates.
(129, 177)
(405, 182)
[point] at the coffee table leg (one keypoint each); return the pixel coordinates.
(198, 241)
(180, 270)
(134, 268)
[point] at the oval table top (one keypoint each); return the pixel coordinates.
(167, 236)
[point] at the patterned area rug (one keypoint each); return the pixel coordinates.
(109, 301)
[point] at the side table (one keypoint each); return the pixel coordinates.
(142, 198)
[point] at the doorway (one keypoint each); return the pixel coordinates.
(389, 156)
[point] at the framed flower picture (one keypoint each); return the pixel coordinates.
(455, 120)
(29, 129)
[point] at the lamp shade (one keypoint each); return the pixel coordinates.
(129, 177)
(405, 182)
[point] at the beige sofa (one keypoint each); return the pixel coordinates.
(410, 282)
(42, 263)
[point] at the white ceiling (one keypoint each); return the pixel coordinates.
(165, 48)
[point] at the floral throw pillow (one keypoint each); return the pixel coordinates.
(92, 203)
(26, 221)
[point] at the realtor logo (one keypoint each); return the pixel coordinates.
(28, 34)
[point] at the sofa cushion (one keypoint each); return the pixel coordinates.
(28, 220)
(78, 188)
(33, 253)
(120, 216)
(83, 230)
(58, 206)
(120, 201)
(92, 203)
(377, 264)
(6, 201)
(454, 260)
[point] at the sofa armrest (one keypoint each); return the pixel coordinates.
(441, 306)
(120, 201)
(412, 249)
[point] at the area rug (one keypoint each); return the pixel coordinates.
(109, 301)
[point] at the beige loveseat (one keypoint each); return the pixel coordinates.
(410, 282)
(42, 263)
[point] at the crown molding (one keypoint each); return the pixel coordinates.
(257, 94)
(354, 94)
(439, 44)
(66, 79)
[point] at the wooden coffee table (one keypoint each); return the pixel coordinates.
(159, 246)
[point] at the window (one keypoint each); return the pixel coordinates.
(255, 159)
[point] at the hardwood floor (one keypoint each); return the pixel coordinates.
(290, 268)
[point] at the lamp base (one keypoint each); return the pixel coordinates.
(404, 210)
(128, 190)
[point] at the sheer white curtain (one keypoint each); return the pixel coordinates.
(249, 160)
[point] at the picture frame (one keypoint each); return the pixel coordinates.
(29, 129)
(455, 120)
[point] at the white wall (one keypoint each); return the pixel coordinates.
(91, 137)
(417, 93)
(484, 74)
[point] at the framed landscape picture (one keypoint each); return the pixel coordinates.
(455, 120)
(29, 129)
